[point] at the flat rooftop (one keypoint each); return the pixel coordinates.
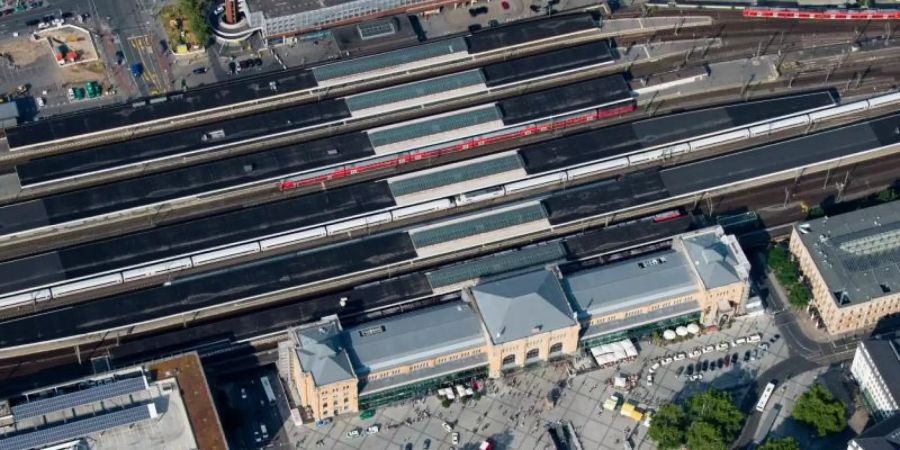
(281, 8)
(857, 253)
(174, 410)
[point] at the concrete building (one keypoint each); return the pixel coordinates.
(884, 435)
(513, 321)
(851, 264)
(284, 18)
(876, 366)
(165, 405)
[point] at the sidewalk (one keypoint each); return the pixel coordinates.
(801, 316)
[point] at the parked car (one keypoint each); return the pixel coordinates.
(475, 12)
(747, 356)
(426, 444)
(493, 23)
(447, 427)
(200, 70)
(353, 434)
(454, 438)
(373, 429)
(679, 370)
(324, 422)
(474, 27)
(705, 366)
(734, 358)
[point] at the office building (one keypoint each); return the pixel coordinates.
(876, 367)
(850, 262)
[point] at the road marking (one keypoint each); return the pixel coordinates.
(146, 53)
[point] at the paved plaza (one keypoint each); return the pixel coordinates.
(516, 409)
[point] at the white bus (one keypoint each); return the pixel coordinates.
(764, 398)
(268, 388)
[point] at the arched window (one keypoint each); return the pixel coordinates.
(556, 348)
(533, 353)
(509, 359)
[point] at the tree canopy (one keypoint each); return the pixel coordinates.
(715, 408)
(818, 409)
(708, 421)
(787, 443)
(667, 427)
(704, 436)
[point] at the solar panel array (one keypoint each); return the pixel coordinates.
(456, 175)
(82, 397)
(403, 92)
(374, 30)
(479, 225)
(390, 59)
(506, 262)
(75, 429)
(435, 125)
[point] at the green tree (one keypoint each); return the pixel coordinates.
(818, 409)
(715, 408)
(192, 11)
(787, 443)
(815, 212)
(667, 427)
(798, 295)
(704, 436)
(887, 195)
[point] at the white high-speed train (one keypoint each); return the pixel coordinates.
(270, 243)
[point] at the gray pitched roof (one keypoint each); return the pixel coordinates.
(857, 253)
(413, 336)
(322, 353)
(884, 435)
(519, 306)
(630, 284)
(713, 260)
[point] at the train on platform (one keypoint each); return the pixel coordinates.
(315, 232)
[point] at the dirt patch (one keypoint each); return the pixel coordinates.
(82, 73)
(71, 39)
(23, 51)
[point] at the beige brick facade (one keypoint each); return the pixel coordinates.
(839, 319)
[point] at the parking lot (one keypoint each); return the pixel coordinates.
(516, 409)
(248, 416)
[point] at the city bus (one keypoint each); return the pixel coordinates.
(764, 398)
(268, 388)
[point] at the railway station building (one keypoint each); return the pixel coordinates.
(511, 321)
(850, 264)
